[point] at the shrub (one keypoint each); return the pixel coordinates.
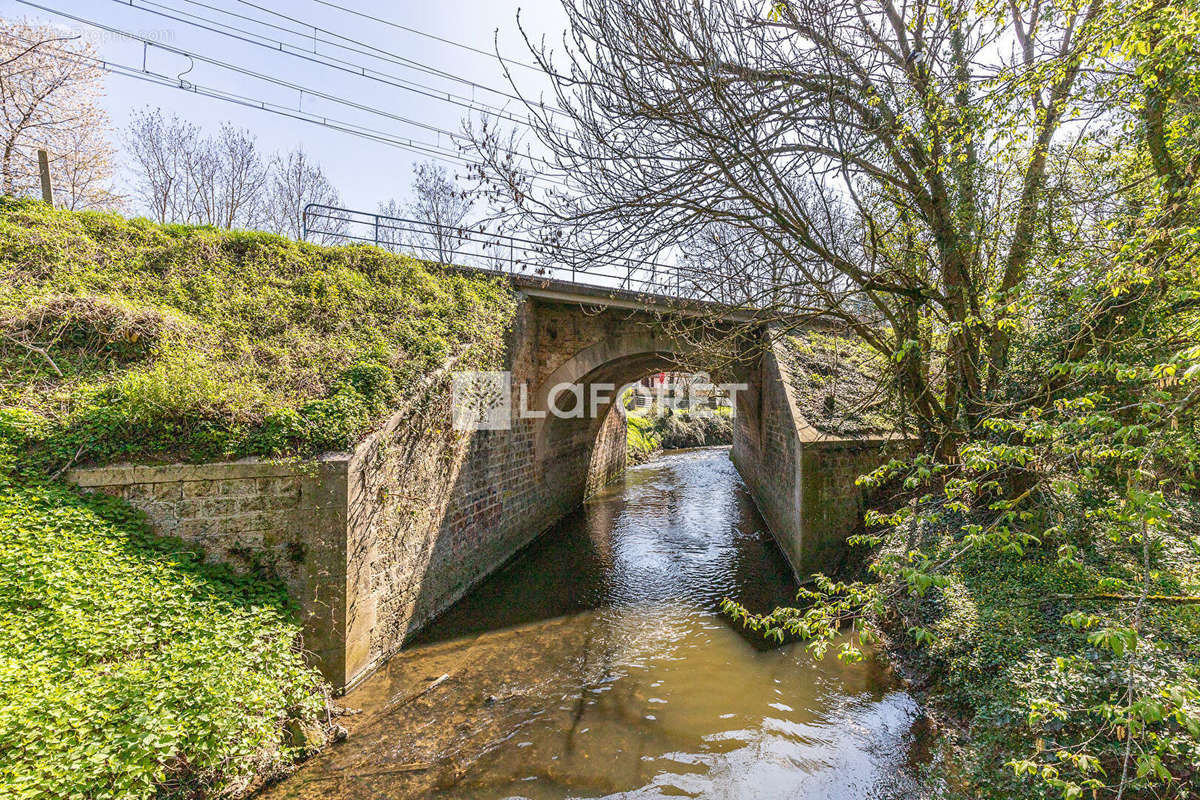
(104, 327)
(646, 435)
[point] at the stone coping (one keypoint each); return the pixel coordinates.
(119, 474)
(825, 441)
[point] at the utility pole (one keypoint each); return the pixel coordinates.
(44, 171)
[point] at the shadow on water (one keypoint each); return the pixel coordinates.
(671, 530)
(595, 665)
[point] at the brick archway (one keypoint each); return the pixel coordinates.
(618, 360)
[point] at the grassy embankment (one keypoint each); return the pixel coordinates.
(130, 667)
(838, 384)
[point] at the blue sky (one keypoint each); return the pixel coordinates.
(365, 172)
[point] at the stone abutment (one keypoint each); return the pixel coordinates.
(374, 543)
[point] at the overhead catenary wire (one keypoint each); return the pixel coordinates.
(356, 70)
(357, 46)
(299, 88)
(241, 70)
(418, 32)
(383, 137)
(385, 54)
(363, 48)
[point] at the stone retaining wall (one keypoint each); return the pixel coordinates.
(803, 481)
(287, 517)
(375, 543)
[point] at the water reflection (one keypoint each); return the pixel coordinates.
(596, 666)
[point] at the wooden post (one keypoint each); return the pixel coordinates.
(44, 171)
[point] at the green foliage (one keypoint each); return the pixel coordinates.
(128, 667)
(649, 433)
(641, 442)
(18, 428)
(1037, 560)
(188, 343)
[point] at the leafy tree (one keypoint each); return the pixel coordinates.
(1002, 201)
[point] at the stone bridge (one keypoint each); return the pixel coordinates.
(374, 543)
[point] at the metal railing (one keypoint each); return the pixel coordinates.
(500, 253)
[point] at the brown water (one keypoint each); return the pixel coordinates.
(596, 665)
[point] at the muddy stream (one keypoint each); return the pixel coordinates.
(596, 664)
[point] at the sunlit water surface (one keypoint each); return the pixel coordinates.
(597, 665)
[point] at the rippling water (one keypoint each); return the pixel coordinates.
(596, 665)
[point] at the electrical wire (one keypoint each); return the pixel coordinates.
(418, 32)
(341, 126)
(278, 82)
(357, 70)
(338, 63)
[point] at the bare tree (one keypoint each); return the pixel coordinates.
(295, 182)
(391, 233)
(226, 179)
(881, 157)
(162, 148)
(442, 205)
(726, 263)
(231, 180)
(183, 176)
(49, 89)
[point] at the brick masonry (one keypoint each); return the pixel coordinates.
(802, 480)
(374, 543)
(431, 512)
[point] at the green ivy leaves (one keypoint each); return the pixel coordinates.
(128, 667)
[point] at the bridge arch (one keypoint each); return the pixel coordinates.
(590, 450)
(619, 360)
(592, 447)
